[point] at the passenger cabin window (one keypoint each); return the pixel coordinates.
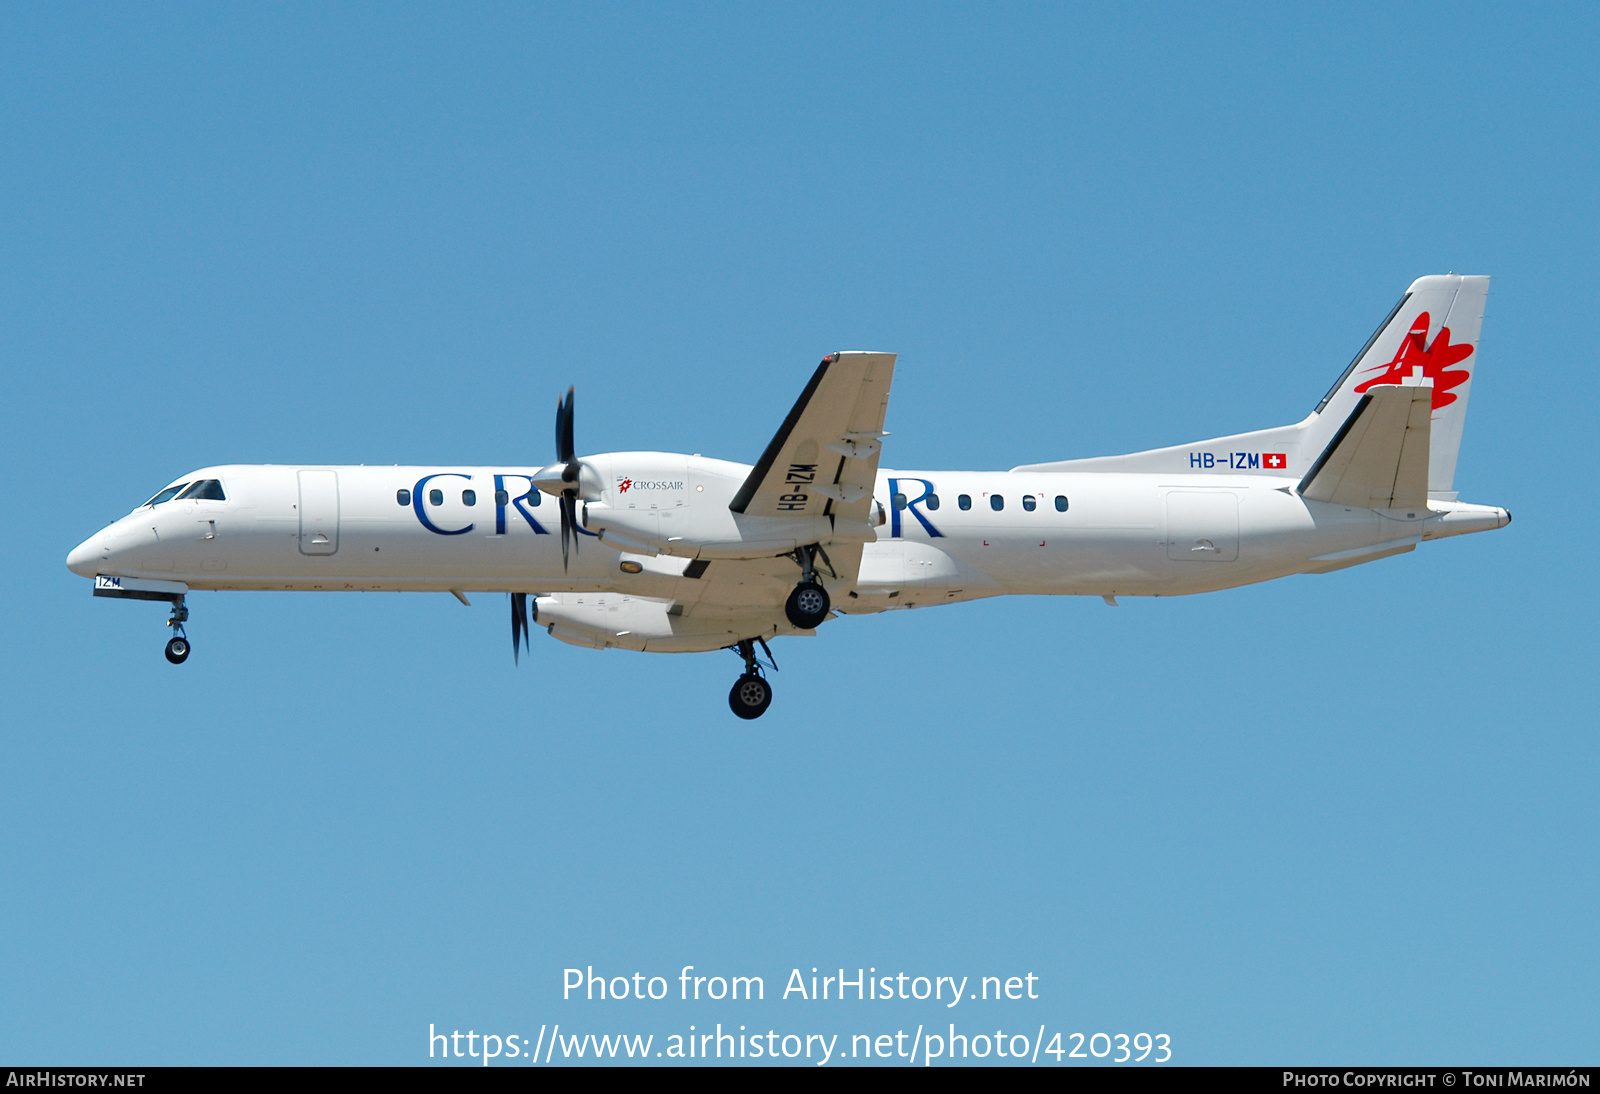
(435, 497)
(899, 501)
(1061, 503)
(1029, 503)
(402, 496)
(964, 501)
(166, 495)
(997, 502)
(932, 501)
(469, 497)
(204, 490)
(502, 497)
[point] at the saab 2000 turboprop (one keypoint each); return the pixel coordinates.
(670, 553)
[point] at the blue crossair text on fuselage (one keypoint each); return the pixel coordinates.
(666, 552)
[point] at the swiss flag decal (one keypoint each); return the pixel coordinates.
(1275, 461)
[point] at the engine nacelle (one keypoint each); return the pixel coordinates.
(703, 532)
(607, 620)
(660, 503)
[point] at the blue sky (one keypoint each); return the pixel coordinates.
(1329, 819)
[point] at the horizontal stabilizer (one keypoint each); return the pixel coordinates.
(1379, 457)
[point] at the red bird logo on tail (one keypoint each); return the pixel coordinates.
(1415, 361)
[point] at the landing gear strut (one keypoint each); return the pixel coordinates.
(178, 645)
(808, 604)
(751, 694)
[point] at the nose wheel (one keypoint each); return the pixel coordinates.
(751, 694)
(178, 644)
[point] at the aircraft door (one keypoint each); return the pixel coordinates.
(1202, 526)
(319, 512)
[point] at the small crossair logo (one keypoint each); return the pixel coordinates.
(624, 485)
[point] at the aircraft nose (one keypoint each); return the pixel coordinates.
(84, 559)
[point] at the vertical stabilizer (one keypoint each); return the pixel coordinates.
(1429, 340)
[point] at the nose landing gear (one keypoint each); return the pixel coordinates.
(808, 603)
(178, 645)
(751, 694)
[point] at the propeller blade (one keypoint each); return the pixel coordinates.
(569, 526)
(565, 452)
(519, 625)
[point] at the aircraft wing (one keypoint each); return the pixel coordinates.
(824, 459)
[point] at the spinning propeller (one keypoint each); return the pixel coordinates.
(571, 469)
(564, 481)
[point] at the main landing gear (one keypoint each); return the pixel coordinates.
(808, 604)
(178, 644)
(751, 694)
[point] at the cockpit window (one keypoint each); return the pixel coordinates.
(167, 495)
(204, 490)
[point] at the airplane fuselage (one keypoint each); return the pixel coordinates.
(945, 535)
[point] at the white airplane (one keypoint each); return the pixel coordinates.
(673, 554)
